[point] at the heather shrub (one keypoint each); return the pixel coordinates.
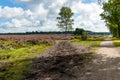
(62, 62)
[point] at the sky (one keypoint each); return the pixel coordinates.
(40, 15)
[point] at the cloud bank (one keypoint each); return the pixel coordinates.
(40, 15)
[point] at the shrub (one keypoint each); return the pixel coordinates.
(84, 36)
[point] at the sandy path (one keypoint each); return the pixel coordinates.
(105, 66)
(108, 50)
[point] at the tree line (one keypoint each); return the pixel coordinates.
(111, 15)
(75, 32)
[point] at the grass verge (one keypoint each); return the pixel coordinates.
(86, 43)
(116, 42)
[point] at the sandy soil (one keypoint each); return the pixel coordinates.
(105, 66)
(108, 50)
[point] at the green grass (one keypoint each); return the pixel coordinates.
(96, 39)
(116, 42)
(86, 43)
(14, 63)
(92, 43)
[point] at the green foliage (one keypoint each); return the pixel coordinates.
(65, 20)
(111, 15)
(113, 29)
(79, 31)
(84, 36)
(116, 42)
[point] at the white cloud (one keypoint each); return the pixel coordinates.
(15, 12)
(15, 23)
(25, 0)
(40, 11)
(88, 16)
(8, 12)
(41, 15)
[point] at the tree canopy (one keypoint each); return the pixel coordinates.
(111, 15)
(65, 20)
(79, 31)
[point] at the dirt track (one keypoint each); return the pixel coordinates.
(106, 65)
(61, 62)
(108, 50)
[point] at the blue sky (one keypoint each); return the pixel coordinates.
(11, 3)
(90, 1)
(40, 15)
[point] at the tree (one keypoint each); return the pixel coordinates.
(79, 31)
(65, 20)
(111, 15)
(84, 35)
(113, 29)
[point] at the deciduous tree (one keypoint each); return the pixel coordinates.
(65, 20)
(111, 15)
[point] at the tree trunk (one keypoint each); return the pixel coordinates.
(66, 28)
(118, 35)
